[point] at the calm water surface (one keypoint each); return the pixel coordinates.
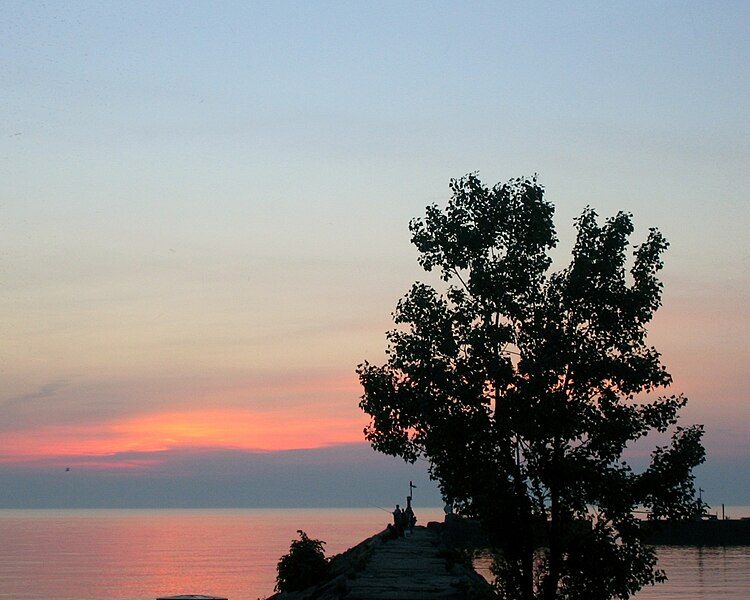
(142, 554)
(694, 573)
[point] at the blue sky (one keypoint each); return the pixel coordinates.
(206, 204)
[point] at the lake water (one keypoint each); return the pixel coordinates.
(143, 554)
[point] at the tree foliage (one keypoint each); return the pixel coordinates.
(304, 566)
(523, 388)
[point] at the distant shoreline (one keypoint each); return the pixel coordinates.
(733, 512)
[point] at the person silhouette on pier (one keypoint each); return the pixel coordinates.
(398, 521)
(409, 518)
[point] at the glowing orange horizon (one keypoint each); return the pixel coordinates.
(220, 428)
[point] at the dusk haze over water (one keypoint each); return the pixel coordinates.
(205, 213)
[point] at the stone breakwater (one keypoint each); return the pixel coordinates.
(420, 566)
(707, 532)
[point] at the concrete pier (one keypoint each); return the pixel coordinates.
(418, 566)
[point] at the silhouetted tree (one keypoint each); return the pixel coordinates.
(524, 388)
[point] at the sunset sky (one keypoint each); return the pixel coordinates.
(204, 220)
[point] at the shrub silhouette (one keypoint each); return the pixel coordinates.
(304, 566)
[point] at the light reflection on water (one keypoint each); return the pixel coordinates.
(143, 554)
(693, 572)
(703, 572)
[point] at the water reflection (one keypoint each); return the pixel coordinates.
(693, 572)
(143, 554)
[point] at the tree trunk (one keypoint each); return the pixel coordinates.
(555, 551)
(527, 549)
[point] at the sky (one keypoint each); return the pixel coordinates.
(204, 222)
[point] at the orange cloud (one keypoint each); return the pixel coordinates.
(220, 428)
(280, 412)
(232, 428)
